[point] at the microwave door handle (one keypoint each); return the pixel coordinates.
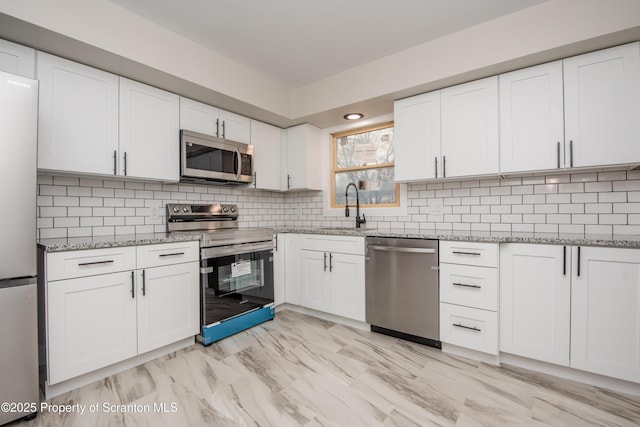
(238, 159)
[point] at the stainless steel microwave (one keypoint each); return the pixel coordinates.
(207, 158)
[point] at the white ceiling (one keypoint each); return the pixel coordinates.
(298, 42)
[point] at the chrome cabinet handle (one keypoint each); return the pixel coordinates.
(436, 165)
(172, 254)
(288, 182)
(400, 249)
(144, 284)
(115, 162)
(558, 153)
(466, 286)
(578, 261)
(571, 153)
(564, 260)
(133, 287)
(223, 129)
(255, 180)
(472, 328)
(218, 128)
(125, 163)
(275, 237)
(325, 261)
(330, 262)
(465, 253)
(444, 167)
(84, 264)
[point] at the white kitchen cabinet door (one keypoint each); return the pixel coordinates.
(168, 305)
(266, 141)
(303, 165)
(602, 106)
(535, 300)
(17, 59)
(91, 324)
(279, 272)
(346, 275)
(149, 132)
(198, 117)
(78, 117)
(417, 137)
(605, 312)
(531, 119)
(234, 127)
(314, 290)
(470, 128)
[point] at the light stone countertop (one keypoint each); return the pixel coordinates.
(569, 239)
(112, 241)
(609, 240)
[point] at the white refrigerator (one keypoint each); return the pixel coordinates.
(18, 293)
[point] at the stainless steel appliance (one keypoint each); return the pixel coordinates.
(207, 158)
(18, 293)
(236, 268)
(402, 295)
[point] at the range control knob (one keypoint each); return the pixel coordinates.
(233, 209)
(225, 209)
(185, 209)
(175, 209)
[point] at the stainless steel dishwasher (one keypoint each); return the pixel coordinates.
(402, 295)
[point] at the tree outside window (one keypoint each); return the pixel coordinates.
(365, 157)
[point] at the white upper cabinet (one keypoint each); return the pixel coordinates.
(417, 137)
(302, 152)
(149, 132)
(602, 107)
(266, 141)
(78, 117)
(198, 117)
(470, 128)
(17, 59)
(531, 119)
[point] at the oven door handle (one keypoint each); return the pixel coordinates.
(244, 248)
(238, 161)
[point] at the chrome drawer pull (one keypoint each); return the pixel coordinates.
(465, 253)
(466, 286)
(473, 328)
(173, 254)
(84, 264)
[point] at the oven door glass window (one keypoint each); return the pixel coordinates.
(235, 284)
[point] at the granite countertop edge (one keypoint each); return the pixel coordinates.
(112, 241)
(99, 242)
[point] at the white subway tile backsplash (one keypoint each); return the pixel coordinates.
(602, 202)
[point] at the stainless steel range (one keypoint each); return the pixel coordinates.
(236, 268)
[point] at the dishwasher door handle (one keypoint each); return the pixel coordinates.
(402, 249)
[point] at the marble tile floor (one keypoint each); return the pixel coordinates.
(302, 371)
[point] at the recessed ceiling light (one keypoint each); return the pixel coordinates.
(353, 116)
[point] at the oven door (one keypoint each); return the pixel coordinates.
(234, 280)
(210, 158)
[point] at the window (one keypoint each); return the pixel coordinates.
(364, 157)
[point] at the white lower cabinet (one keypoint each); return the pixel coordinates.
(535, 296)
(168, 308)
(96, 317)
(469, 295)
(580, 310)
(332, 282)
(91, 323)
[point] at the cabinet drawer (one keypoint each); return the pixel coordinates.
(469, 327)
(469, 253)
(167, 254)
(470, 286)
(90, 262)
(342, 244)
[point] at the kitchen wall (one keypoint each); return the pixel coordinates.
(76, 207)
(593, 202)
